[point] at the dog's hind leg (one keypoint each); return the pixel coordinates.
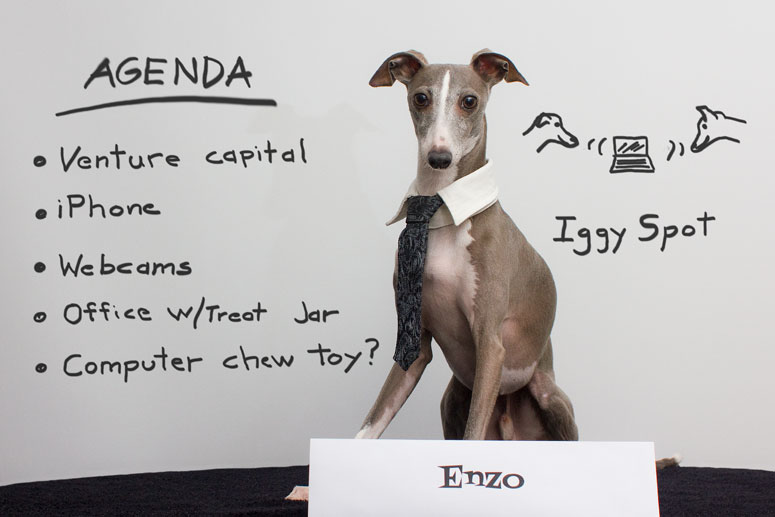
(555, 406)
(556, 409)
(454, 409)
(517, 416)
(456, 403)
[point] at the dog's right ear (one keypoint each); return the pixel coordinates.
(401, 66)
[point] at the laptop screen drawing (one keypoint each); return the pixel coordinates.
(631, 154)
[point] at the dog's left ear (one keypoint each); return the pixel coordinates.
(494, 67)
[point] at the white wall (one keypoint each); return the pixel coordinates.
(672, 347)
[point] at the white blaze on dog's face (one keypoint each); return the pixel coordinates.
(447, 104)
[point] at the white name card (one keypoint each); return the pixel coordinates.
(446, 478)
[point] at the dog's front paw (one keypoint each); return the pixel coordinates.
(672, 461)
(299, 493)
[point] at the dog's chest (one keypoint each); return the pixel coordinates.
(449, 287)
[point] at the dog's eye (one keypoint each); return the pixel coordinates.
(469, 102)
(420, 100)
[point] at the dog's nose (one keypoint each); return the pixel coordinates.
(439, 159)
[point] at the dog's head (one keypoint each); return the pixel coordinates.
(705, 130)
(447, 102)
(552, 130)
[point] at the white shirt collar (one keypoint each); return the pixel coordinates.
(464, 198)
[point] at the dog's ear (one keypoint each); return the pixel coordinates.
(540, 121)
(706, 112)
(494, 67)
(401, 66)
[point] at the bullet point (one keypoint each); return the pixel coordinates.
(39, 161)
(41, 214)
(40, 267)
(39, 317)
(41, 367)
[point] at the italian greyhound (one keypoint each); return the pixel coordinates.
(488, 297)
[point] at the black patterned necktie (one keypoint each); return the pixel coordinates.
(412, 247)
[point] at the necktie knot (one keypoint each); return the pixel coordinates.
(420, 209)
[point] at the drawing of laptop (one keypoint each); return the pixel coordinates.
(631, 154)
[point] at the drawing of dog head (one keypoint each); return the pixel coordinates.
(713, 126)
(549, 127)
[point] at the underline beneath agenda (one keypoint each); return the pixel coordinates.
(176, 98)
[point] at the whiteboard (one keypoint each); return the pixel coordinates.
(664, 340)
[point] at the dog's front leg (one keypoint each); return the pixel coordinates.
(487, 380)
(397, 388)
